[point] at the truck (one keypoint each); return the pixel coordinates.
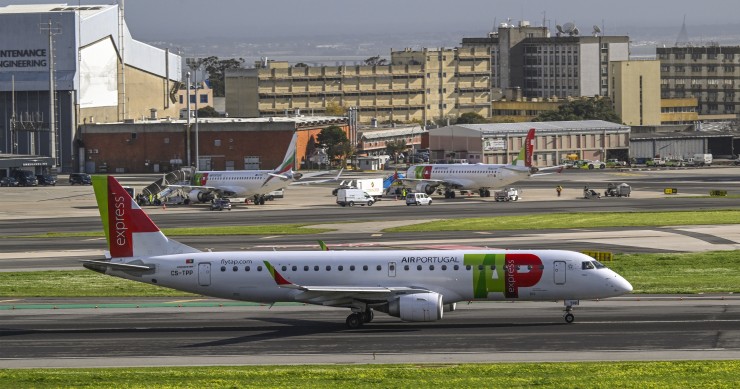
(507, 194)
(350, 197)
(702, 159)
(373, 186)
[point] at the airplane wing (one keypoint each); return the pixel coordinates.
(413, 182)
(315, 174)
(543, 171)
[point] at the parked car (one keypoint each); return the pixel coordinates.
(80, 179)
(46, 179)
(8, 181)
(25, 178)
(220, 205)
(418, 199)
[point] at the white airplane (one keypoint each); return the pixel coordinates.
(481, 177)
(414, 285)
(255, 184)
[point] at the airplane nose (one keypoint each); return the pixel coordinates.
(622, 285)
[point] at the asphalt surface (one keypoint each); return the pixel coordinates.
(65, 333)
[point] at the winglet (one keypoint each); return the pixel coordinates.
(279, 279)
(323, 245)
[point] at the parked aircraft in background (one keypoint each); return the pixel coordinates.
(474, 177)
(412, 285)
(254, 184)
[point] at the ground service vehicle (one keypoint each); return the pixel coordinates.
(220, 205)
(703, 159)
(350, 197)
(418, 199)
(508, 194)
(614, 190)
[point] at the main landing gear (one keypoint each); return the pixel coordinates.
(568, 316)
(357, 319)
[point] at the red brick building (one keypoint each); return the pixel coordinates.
(223, 143)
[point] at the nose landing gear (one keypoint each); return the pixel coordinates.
(568, 316)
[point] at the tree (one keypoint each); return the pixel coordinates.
(471, 118)
(334, 109)
(334, 140)
(395, 147)
(300, 65)
(216, 69)
(208, 112)
(375, 61)
(582, 109)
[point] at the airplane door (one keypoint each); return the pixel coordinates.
(204, 274)
(559, 272)
(391, 269)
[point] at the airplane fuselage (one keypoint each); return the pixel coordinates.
(469, 176)
(456, 275)
(241, 183)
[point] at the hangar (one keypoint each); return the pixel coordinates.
(99, 74)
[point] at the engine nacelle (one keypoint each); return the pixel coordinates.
(199, 196)
(426, 188)
(417, 307)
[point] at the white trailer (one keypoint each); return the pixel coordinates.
(373, 186)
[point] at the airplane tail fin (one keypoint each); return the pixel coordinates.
(128, 230)
(524, 159)
(289, 160)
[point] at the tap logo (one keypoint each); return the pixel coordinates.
(503, 273)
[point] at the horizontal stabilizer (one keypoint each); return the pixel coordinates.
(116, 266)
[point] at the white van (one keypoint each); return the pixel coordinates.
(350, 197)
(418, 199)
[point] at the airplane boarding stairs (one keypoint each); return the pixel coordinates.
(159, 189)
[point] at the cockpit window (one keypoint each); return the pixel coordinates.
(585, 265)
(598, 265)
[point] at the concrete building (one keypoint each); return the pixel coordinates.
(100, 74)
(679, 111)
(200, 92)
(711, 74)
(373, 141)
(635, 91)
(416, 86)
(223, 144)
(500, 143)
(544, 66)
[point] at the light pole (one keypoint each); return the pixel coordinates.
(194, 65)
(187, 101)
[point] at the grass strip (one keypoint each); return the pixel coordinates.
(577, 220)
(674, 374)
(689, 273)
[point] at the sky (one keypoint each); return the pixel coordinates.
(152, 20)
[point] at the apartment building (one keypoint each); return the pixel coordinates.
(544, 66)
(710, 74)
(421, 86)
(635, 91)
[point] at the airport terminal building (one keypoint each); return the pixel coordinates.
(100, 75)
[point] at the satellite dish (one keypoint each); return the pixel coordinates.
(575, 31)
(568, 27)
(559, 28)
(596, 29)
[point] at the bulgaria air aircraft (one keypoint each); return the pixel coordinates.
(478, 177)
(414, 285)
(253, 184)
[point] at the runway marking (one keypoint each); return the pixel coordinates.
(9, 301)
(376, 235)
(269, 237)
(483, 232)
(185, 301)
(663, 321)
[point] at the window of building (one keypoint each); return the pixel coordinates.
(204, 99)
(181, 96)
(192, 99)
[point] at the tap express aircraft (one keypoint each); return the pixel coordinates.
(414, 285)
(255, 184)
(475, 177)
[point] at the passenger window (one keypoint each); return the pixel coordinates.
(235, 268)
(418, 267)
(328, 268)
(586, 265)
(316, 268)
(379, 268)
(364, 267)
(406, 267)
(223, 268)
(294, 268)
(340, 267)
(284, 268)
(246, 268)
(259, 268)
(456, 267)
(444, 267)
(480, 267)
(352, 268)
(467, 267)
(431, 267)
(305, 268)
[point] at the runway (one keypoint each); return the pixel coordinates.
(628, 328)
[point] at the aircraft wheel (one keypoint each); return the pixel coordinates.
(368, 316)
(354, 321)
(481, 193)
(569, 318)
(488, 193)
(351, 204)
(452, 195)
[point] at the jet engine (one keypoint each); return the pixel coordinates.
(200, 196)
(417, 307)
(426, 188)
